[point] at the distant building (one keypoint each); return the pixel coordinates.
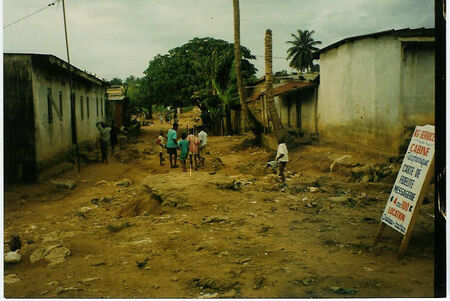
(117, 105)
(38, 130)
(375, 87)
(295, 98)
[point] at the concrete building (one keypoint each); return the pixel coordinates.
(38, 130)
(295, 98)
(117, 106)
(375, 87)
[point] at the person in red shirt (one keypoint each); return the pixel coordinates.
(194, 142)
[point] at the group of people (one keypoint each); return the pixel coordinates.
(168, 116)
(192, 146)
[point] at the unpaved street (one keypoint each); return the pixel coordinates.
(135, 229)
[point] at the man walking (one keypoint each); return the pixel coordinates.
(172, 145)
(104, 139)
(203, 137)
(282, 157)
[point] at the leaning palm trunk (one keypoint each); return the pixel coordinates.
(246, 114)
(237, 59)
(278, 128)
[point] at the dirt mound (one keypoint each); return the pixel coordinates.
(245, 144)
(143, 203)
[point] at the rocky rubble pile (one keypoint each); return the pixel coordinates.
(372, 173)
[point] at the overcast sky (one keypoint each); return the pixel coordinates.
(117, 38)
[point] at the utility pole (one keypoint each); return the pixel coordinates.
(73, 119)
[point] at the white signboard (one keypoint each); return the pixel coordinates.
(408, 185)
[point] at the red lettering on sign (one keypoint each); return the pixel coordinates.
(396, 213)
(419, 149)
(427, 136)
(405, 205)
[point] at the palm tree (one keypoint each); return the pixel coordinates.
(237, 59)
(301, 52)
(246, 114)
(278, 128)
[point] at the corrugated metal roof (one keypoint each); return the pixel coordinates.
(62, 63)
(404, 32)
(116, 98)
(290, 86)
(284, 88)
(116, 93)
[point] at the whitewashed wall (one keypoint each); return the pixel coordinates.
(53, 140)
(360, 92)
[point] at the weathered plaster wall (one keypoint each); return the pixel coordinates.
(292, 103)
(283, 110)
(360, 92)
(297, 104)
(54, 139)
(307, 110)
(18, 113)
(418, 91)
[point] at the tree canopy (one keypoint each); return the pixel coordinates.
(301, 52)
(115, 82)
(185, 74)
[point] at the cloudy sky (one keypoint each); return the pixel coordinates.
(117, 38)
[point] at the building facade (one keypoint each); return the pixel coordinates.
(117, 104)
(374, 88)
(295, 99)
(38, 115)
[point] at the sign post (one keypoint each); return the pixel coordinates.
(410, 187)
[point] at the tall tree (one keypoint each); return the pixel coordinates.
(278, 128)
(237, 60)
(115, 81)
(185, 76)
(301, 52)
(246, 114)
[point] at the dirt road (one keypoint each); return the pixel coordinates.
(135, 229)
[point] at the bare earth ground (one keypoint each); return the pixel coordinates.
(228, 230)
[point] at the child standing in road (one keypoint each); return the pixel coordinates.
(183, 145)
(172, 144)
(161, 142)
(203, 137)
(193, 149)
(282, 157)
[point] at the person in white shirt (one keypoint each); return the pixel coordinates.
(282, 158)
(203, 137)
(104, 139)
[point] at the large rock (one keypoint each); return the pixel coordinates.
(272, 179)
(65, 184)
(12, 257)
(124, 182)
(339, 160)
(363, 173)
(53, 254)
(57, 255)
(11, 278)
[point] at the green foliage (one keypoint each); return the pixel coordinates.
(188, 109)
(301, 52)
(184, 76)
(115, 82)
(281, 73)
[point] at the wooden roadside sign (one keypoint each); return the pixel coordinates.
(411, 186)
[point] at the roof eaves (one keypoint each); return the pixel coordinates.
(404, 32)
(54, 57)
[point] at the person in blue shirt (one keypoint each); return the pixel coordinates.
(183, 144)
(172, 145)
